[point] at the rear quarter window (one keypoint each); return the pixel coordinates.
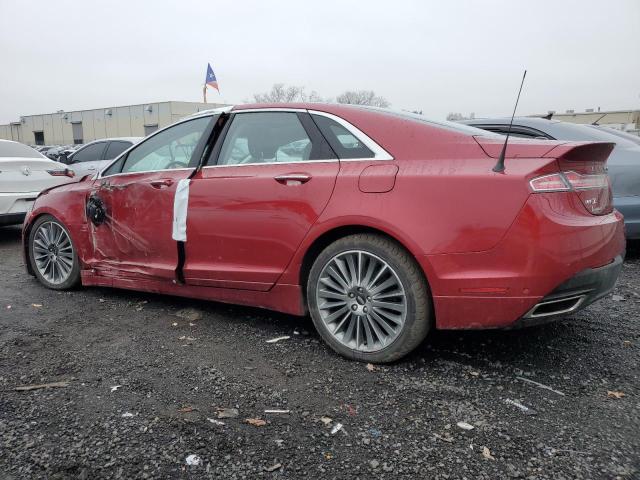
(342, 141)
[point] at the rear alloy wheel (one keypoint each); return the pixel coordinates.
(52, 255)
(368, 298)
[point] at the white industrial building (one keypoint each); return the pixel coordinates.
(82, 126)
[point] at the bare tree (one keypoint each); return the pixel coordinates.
(455, 117)
(280, 93)
(362, 97)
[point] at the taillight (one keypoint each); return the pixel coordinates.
(63, 172)
(593, 190)
(550, 183)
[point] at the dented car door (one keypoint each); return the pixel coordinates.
(132, 204)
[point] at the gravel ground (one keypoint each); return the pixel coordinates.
(146, 373)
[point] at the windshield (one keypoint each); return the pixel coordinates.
(15, 149)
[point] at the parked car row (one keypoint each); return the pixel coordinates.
(26, 171)
(90, 158)
(381, 225)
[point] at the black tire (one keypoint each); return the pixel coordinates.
(74, 276)
(419, 316)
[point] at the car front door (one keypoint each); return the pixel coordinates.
(250, 208)
(133, 238)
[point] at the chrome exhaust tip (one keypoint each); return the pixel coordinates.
(556, 306)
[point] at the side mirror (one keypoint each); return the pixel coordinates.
(63, 158)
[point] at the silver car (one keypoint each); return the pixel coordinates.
(96, 155)
(623, 163)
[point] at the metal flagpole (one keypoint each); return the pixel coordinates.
(204, 93)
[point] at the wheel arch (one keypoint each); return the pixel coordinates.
(327, 237)
(26, 232)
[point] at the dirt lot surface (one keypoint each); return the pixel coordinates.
(145, 383)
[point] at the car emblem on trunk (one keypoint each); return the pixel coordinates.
(26, 171)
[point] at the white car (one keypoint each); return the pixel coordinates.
(93, 157)
(24, 173)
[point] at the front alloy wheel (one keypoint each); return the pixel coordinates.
(52, 255)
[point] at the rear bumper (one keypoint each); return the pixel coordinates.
(578, 292)
(16, 202)
(554, 246)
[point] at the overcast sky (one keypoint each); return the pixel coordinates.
(436, 56)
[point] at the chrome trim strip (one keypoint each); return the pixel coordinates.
(304, 162)
(270, 109)
(211, 111)
(146, 171)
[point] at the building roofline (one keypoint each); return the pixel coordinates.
(632, 110)
(217, 105)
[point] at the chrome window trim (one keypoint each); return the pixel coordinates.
(208, 113)
(146, 171)
(302, 162)
(378, 152)
(271, 109)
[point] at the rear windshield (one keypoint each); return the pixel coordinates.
(457, 127)
(14, 149)
(579, 133)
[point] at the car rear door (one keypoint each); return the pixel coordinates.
(134, 239)
(264, 186)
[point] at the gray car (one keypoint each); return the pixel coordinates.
(92, 157)
(623, 164)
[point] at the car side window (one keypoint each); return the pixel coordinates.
(90, 153)
(115, 148)
(266, 137)
(343, 142)
(170, 149)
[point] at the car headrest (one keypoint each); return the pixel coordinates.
(263, 144)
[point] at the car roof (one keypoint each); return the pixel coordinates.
(124, 139)
(526, 121)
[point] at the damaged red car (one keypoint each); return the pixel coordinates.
(381, 225)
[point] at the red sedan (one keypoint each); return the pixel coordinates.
(380, 225)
